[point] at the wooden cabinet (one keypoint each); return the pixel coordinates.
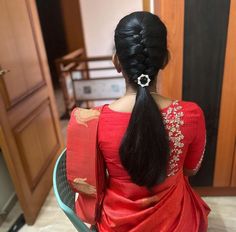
(30, 136)
(201, 39)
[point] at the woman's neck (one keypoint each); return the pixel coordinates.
(131, 90)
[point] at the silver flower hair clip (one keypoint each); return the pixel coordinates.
(144, 80)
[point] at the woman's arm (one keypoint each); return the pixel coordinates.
(196, 149)
(190, 172)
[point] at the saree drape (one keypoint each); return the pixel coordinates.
(93, 139)
(84, 160)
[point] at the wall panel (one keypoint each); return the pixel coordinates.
(170, 79)
(225, 165)
(205, 34)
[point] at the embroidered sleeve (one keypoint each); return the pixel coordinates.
(196, 149)
(173, 120)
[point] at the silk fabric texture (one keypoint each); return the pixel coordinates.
(170, 206)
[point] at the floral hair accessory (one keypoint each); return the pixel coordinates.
(144, 80)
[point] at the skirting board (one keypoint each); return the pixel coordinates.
(216, 191)
(7, 207)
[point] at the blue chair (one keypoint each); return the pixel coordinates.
(65, 195)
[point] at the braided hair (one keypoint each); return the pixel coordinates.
(141, 47)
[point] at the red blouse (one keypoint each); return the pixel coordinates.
(172, 205)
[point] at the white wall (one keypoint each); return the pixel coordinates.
(100, 18)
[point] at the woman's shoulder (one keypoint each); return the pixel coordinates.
(191, 110)
(189, 106)
(82, 116)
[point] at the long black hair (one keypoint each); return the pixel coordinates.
(141, 47)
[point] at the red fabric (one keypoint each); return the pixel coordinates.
(197, 146)
(172, 206)
(83, 160)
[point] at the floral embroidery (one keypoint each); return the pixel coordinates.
(84, 115)
(200, 161)
(173, 120)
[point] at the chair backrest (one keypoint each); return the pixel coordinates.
(64, 194)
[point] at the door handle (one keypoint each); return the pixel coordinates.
(3, 71)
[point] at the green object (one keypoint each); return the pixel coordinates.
(65, 195)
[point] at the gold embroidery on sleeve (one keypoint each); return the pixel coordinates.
(173, 120)
(201, 158)
(84, 115)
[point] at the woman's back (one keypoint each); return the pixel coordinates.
(184, 122)
(185, 126)
(149, 143)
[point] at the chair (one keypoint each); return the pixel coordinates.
(81, 76)
(65, 195)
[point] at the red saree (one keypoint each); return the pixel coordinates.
(169, 207)
(83, 160)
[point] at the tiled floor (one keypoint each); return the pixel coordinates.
(12, 216)
(223, 214)
(51, 219)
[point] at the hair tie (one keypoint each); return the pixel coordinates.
(144, 80)
(141, 32)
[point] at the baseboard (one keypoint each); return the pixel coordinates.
(216, 191)
(7, 207)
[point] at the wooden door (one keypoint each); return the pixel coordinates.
(29, 128)
(225, 164)
(170, 79)
(202, 68)
(19, 53)
(74, 32)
